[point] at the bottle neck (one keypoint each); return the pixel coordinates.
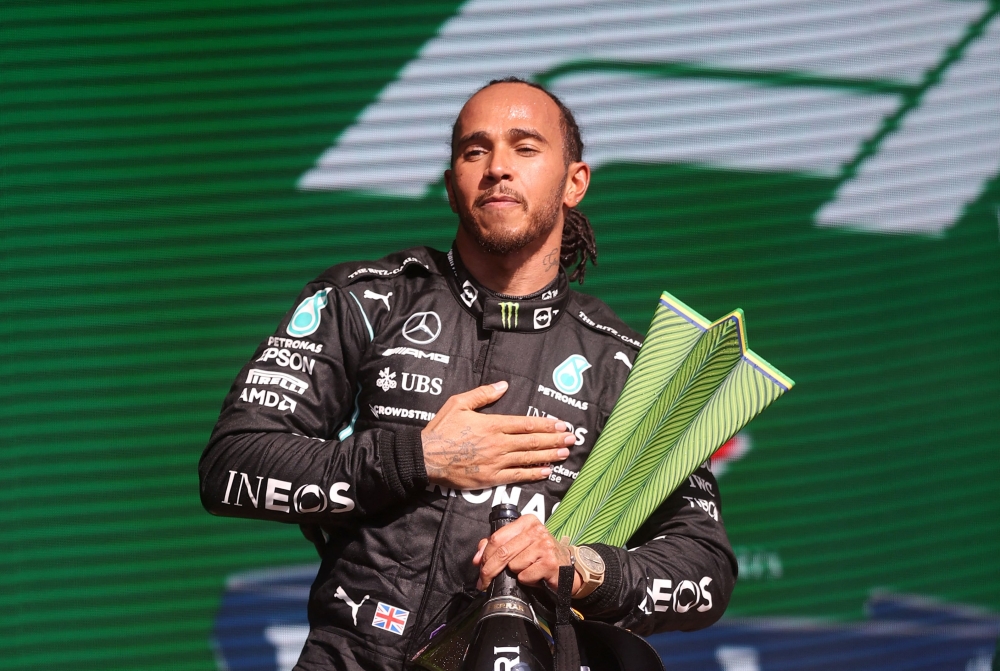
(505, 584)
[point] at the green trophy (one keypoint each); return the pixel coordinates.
(693, 386)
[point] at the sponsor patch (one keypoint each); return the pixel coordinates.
(422, 328)
(422, 384)
(283, 380)
(469, 293)
(542, 318)
(268, 399)
(418, 354)
(295, 344)
(508, 314)
(382, 272)
(609, 329)
(708, 506)
(378, 297)
(568, 400)
(386, 379)
(687, 596)
(381, 411)
(355, 607)
(307, 316)
(568, 376)
(288, 359)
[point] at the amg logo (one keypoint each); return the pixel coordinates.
(283, 380)
(417, 353)
(508, 314)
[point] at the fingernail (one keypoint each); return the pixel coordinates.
(570, 439)
(500, 386)
(560, 426)
(563, 453)
(546, 472)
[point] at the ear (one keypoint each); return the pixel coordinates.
(448, 174)
(577, 181)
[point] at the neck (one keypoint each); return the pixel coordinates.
(519, 273)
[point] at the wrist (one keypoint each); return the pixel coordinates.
(404, 467)
(590, 570)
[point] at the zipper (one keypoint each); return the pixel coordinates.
(480, 367)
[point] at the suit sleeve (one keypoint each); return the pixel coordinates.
(285, 448)
(679, 570)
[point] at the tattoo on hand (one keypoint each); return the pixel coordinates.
(441, 453)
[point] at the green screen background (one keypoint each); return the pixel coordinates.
(153, 235)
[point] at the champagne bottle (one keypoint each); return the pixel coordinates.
(507, 637)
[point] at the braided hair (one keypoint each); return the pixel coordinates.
(578, 243)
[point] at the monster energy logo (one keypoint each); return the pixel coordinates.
(508, 315)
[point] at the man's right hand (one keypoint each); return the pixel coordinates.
(469, 450)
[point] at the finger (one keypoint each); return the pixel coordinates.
(480, 396)
(508, 476)
(543, 568)
(534, 442)
(517, 535)
(497, 557)
(524, 424)
(479, 552)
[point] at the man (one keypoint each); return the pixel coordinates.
(400, 399)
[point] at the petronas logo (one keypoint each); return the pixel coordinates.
(307, 316)
(568, 376)
(508, 315)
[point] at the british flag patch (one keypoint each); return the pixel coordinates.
(390, 618)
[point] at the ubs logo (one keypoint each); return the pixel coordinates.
(422, 328)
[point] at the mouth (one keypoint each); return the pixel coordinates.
(499, 201)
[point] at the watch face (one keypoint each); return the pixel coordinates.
(591, 559)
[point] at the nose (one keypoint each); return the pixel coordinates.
(498, 168)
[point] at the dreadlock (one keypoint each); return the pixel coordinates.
(578, 243)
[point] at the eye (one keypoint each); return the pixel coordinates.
(527, 150)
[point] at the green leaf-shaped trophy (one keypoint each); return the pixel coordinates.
(693, 386)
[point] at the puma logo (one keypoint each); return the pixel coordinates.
(342, 595)
(379, 297)
(620, 356)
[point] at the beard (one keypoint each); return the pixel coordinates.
(502, 240)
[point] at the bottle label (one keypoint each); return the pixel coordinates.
(505, 605)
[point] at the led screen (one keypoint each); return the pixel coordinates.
(174, 173)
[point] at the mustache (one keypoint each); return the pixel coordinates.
(499, 189)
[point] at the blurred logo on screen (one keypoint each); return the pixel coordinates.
(785, 91)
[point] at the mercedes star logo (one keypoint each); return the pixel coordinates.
(422, 327)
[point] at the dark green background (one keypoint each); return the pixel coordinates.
(152, 235)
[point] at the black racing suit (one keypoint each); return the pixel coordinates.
(322, 427)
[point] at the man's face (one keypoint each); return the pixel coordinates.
(508, 178)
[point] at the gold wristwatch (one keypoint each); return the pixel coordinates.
(589, 564)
